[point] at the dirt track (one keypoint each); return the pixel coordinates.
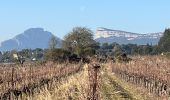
(111, 90)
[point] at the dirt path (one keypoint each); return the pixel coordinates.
(111, 90)
(114, 88)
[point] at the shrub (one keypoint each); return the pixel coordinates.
(58, 55)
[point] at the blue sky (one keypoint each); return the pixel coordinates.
(60, 16)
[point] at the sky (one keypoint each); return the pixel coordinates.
(60, 16)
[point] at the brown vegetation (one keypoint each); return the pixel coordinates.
(151, 72)
(16, 80)
(94, 81)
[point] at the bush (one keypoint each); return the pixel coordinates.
(58, 55)
(89, 52)
(167, 54)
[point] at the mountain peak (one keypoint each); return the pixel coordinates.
(30, 39)
(34, 30)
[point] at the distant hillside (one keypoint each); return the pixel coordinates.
(29, 39)
(104, 35)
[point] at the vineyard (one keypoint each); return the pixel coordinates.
(151, 73)
(94, 81)
(15, 80)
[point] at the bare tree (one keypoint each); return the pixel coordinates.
(52, 43)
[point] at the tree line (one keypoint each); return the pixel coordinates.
(79, 44)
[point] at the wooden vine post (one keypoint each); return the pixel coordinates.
(93, 81)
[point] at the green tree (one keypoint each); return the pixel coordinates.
(58, 55)
(78, 40)
(164, 43)
(107, 46)
(0, 56)
(155, 50)
(6, 56)
(117, 50)
(89, 51)
(147, 49)
(38, 53)
(25, 53)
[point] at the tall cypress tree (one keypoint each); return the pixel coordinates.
(164, 43)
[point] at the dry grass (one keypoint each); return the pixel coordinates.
(74, 87)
